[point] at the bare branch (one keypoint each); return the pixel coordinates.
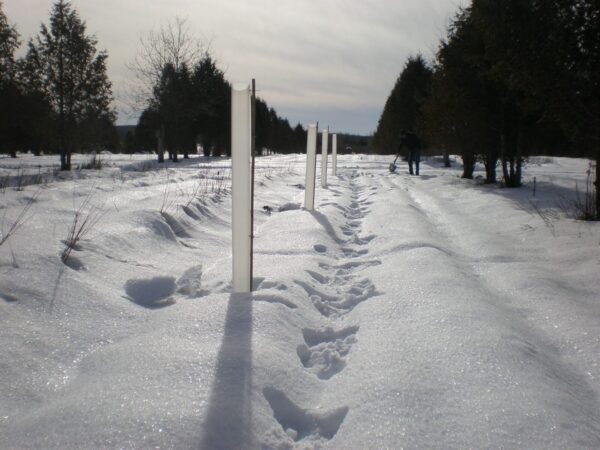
(172, 42)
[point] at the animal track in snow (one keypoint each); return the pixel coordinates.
(301, 424)
(324, 351)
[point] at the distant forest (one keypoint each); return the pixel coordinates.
(510, 79)
(58, 99)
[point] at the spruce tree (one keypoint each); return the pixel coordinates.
(63, 63)
(9, 42)
(403, 107)
(10, 97)
(211, 107)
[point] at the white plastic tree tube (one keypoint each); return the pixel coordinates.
(241, 162)
(334, 155)
(311, 168)
(324, 154)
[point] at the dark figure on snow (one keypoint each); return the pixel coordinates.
(410, 142)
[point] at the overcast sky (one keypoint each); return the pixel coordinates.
(331, 61)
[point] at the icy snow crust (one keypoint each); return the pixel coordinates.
(404, 312)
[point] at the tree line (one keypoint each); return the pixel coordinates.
(58, 99)
(510, 80)
(190, 109)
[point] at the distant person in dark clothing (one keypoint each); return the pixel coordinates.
(410, 142)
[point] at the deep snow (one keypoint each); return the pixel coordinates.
(404, 312)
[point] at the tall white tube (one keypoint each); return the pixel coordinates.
(324, 154)
(241, 161)
(334, 155)
(311, 167)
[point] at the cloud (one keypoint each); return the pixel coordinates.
(334, 59)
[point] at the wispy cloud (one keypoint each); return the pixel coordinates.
(313, 60)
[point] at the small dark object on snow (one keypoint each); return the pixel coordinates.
(392, 166)
(267, 209)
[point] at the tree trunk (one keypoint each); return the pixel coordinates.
(468, 166)
(597, 182)
(447, 158)
(64, 165)
(503, 158)
(512, 165)
(519, 162)
(491, 160)
(63, 160)
(160, 149)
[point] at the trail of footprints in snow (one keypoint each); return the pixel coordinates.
(324, 351)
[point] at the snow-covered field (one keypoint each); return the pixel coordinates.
(405, 312)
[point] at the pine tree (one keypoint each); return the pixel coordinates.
(461, 113)
(403, 107)
(10, 97)
(9, 42)
(63, 63)
(564, 73)
(211, 108)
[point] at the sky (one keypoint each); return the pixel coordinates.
(333, 62)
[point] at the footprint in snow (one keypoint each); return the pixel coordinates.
(301, 424)
(324, 351)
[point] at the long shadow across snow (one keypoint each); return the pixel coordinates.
(325, 223)
(229, 418)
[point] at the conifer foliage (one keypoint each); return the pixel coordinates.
(10, 95)
(511, 79)
(190, 105)
(402, 109)
(63, 66)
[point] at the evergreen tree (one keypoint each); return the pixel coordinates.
(170, 99)
(462, 113)
(524, 53)
(549, 53)
(211, 109)
(9, 42)
(190, 108)
(63, 64)
(146, 132)
(10, 97)
(403, 107)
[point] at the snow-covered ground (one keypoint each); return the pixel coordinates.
(404, 312)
